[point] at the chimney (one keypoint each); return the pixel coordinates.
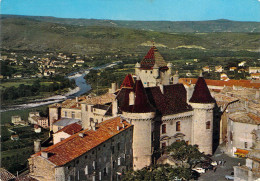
(81, 135)
(123, 125)
(37, 145)
(45, 154)
(161, 87)
(77, 99)
(117, 128)
(114, 107)
(131, 98)
(113, 87)
(95, 127)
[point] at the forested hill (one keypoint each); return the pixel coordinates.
(21, 33)
(161, 26)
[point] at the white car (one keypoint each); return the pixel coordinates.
(214, 163)
(199, 170)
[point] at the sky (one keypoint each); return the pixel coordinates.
(167, 10)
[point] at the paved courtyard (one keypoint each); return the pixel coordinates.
(221, 171)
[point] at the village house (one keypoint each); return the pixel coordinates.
(242, 64)
(219, 68)
(206, 69)
(255, 76)
(232, 69)
(254, 70)
(240, 128)
(102, 153)
(250, 171)
(66, 132)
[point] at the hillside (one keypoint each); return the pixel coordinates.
(30, 34)
(161, 26)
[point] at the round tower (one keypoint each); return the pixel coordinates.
(139, 112)
(202, 122)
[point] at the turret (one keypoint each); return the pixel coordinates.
(137, 68)
(140, 113)
(176, 78)
(202, 123)
(169, 65)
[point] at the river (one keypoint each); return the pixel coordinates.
(82, 88)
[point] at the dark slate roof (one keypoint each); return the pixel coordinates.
(141, 103)
(172, 101)
(128, 81)
(153, 56)
(201, 92)
(151, 99)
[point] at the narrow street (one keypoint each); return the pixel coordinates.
(221, 171)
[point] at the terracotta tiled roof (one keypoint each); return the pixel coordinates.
(103, 99)
(153, 57)
(75, 146)
(230, 83)
(201, 92)
(71, 129)
(244, 117)
(5, 175)
(128, 82)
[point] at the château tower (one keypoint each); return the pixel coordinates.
(202, 121)
(153, 69)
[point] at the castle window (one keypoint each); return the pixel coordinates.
(146, 71)
(147, 83)
(118, 146)
(86, 108)
(245, 144)
(151, 71)
(178, 126)
(86, 170)
(65, 114)
(163, 128)
(208, 125)
(72, 114)
(94, 165)
(187, 142)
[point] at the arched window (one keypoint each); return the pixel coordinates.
(208, 125)
(178, 126)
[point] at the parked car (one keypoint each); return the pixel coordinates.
(214, 163)
(199, 170)
(229, 177)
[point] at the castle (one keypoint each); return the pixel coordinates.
(156, 104)
(160, 110)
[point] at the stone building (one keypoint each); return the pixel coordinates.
(160, 109)
(66, 132)
(102, 153)
(241, 126)
(250, 171)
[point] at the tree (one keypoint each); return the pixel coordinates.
(188, 154)
(159, 173)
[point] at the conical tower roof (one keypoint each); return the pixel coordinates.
(128, 82)
(153, 57)
(141, 104)
(201, 92)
